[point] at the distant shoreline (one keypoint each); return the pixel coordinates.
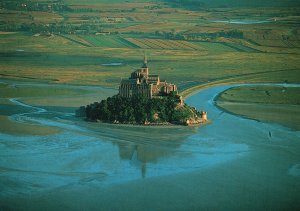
(154, 125)
(283, 114)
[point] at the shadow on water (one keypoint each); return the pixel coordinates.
(141, 145)
(124, 151)
(105, 165)
(121, 152)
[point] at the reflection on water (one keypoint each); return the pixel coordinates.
(96, 154)
(100, 154)
(99, 157)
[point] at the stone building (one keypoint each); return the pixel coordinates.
(143, 84)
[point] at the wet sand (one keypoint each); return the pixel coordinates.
(230, 164)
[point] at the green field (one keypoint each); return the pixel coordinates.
(184, 46)
(215, 47)
(147, 43)
(108, 41)
(56, 59)
(17, 91)
(277, 104)
(58, 55)
(262, 94)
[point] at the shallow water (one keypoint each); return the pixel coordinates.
(100, 159)
(242, 21)
(113, 64)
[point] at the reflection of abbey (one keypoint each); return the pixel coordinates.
(141, 83)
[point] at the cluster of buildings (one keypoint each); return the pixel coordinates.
(142, 83)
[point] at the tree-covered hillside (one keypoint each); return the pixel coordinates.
(140, 110)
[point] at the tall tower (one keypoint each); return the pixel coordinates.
(145, 62)
(145, 66)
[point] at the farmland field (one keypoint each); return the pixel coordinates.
(184, 46)
(78, 59)
(105, 41)
(163, 44)
(56, 56)
(215, 47)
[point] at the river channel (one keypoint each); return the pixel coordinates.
(232, 163)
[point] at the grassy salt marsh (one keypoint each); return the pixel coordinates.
(54, 60)
(55, 98)
(277, 104)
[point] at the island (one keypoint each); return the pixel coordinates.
(144, 99)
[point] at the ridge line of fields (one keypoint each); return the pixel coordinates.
(73, 40)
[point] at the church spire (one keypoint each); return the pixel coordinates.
(145, 62)
(145, 59)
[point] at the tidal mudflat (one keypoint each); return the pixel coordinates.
(279, 103)
(232, 163)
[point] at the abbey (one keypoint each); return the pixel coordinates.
(141, 83)
(161, 104)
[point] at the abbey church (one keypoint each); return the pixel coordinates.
(141, 83)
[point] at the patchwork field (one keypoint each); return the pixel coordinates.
(83, 59)
(146, 43)
(77, 42)
(57, 55)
